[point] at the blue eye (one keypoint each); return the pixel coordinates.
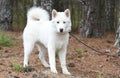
(64, 22)
(58, 22)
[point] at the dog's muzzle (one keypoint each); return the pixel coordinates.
(61, 30)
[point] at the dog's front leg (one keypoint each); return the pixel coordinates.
(62, 57)
(51, 54)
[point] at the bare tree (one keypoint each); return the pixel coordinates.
(36, 2)
(6, 14)
(60, 5)
(117, 39)
(109, 15)
(90, 24)
(98, 17)
(47, 4)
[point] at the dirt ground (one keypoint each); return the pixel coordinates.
(82, 62)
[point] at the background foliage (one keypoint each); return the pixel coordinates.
(20, 8)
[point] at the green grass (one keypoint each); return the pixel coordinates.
(79, 52)
(17, 67)
(99, 75)
(5, 40)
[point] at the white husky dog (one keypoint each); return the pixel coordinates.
(49, 36)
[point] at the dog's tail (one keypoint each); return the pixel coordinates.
(37, 14)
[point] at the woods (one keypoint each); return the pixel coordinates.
(91, 26)
(93, 50)
(6, 14)
(89, 17)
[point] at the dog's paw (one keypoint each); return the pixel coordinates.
(66, 72)
(46, 65)
(54, 71)
(25, 65)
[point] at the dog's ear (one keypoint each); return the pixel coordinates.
(67, 12)
(54, 13)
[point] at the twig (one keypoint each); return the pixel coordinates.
(100, 52)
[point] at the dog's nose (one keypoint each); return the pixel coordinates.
(61, 30)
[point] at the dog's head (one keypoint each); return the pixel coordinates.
(61, 21)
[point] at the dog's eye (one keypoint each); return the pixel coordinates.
(64, 22)
(57, 22)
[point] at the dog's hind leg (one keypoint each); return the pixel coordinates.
(28, 47)
(42, 54)
(62, 57)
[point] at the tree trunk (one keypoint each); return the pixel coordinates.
(47, 4)
(36, 3)
(109, 15)
(117, 38)
(90, 24)
(6, 14)
(60, 5)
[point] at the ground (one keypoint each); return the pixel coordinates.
(82, 62)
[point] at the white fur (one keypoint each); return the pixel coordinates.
(48, 36)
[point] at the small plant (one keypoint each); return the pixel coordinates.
(99, 75)
(5, 40)
(79, 52)
(17, 67)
